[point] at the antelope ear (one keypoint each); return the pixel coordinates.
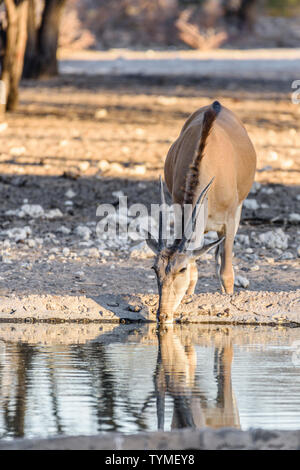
(197, 253)
(151, 242)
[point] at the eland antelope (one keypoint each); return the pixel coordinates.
(210, 167)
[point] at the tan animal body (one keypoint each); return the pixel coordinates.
(210, 166)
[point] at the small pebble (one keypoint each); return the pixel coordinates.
(66, 251)
(241, 281)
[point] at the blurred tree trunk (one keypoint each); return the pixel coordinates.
(41, 60)
(31, 46)
(13, 56)
(241, 14)
(48, 37)
(246, 14)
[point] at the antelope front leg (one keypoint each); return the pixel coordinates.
(226, 273)
(226, 269)
(193, 278)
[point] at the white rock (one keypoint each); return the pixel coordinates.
(101, 113)
(50, 236)
(103, 165)
(287, 255)
(53, 214)
(17, 151)
(86, 243)
(139, 131)
(274, 239)
(118, 194)
(116, 167)
(3, 126)
(7, 244)
(139, 170)
(83, 166)
(83, 232)
(70, 194)
(294, 217)
(14, 212)
(241, 281)
(255, 187)
(66, 251)
(68, 203)
(19, 234)
(210, 236)
(79, 274)
(107, 253)
(31, 243)
(141, 251)
(267, 190)
(64, 230)
(273, 156)
(91, 253)
(32, 210)
(287, 163)
(251, 204)
(243, 239)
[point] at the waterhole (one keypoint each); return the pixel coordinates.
(74, 379)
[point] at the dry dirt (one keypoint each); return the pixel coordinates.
(66, 127)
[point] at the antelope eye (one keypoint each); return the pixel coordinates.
(182, 270)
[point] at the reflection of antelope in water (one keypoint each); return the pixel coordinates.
(176, 374)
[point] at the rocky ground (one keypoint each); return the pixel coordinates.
(77, 142)
(187, 439)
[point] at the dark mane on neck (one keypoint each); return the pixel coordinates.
(192, 179)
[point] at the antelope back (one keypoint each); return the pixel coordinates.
(229, 157)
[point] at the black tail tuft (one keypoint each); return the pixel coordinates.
(192, 179)
(216, 107)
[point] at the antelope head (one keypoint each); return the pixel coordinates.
(174, 264)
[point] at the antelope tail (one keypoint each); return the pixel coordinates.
(192, 179)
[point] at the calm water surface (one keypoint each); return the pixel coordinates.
(133, 378)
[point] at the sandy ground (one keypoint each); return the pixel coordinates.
(97, 135)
